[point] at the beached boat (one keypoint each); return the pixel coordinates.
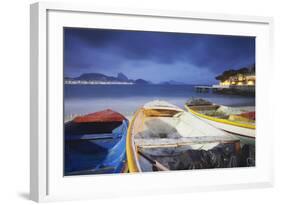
(163, 137)
(234, 120)
(95, 144)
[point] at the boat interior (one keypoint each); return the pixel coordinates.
(90, 151)
(224, 112)
(164, 137)
(93, 137)
(72, 128)
(185, 158)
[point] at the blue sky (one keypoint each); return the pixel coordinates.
(155, 56)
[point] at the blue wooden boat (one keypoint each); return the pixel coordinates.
(95, 144)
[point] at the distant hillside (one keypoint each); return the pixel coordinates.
(141, 81)
(172, 82)
(122, 77)
(104, 78)
(250, 70)
(95, 76)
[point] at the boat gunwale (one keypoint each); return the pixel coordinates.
(133, 165)
(224, 121)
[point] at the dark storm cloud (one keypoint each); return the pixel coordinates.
(111, 51)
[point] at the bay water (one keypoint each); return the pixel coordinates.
(126, 99)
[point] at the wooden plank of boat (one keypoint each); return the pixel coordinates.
(174, 128)
(155, 163)
(95, 136)
(184, 141)
(240, 128)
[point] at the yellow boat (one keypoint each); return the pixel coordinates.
(234, 120)
(161, 136)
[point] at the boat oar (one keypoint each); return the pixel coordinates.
(155, 163)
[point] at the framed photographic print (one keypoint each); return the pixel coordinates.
(127, 102)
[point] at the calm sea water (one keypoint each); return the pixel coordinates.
(126, 99)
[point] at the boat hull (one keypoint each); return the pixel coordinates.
(95, 147)
(229, 126)
(232, 129)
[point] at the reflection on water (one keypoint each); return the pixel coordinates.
(126, 99)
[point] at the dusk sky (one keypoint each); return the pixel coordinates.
(155, 56)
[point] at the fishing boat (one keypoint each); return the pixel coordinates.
(95, 144)
(234, 120)
(163, 137)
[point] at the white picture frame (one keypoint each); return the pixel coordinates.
(47, 182)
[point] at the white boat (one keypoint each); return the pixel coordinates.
(161, 130)
(233, 120)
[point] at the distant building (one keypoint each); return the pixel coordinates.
(234, 82)
(241, 77)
